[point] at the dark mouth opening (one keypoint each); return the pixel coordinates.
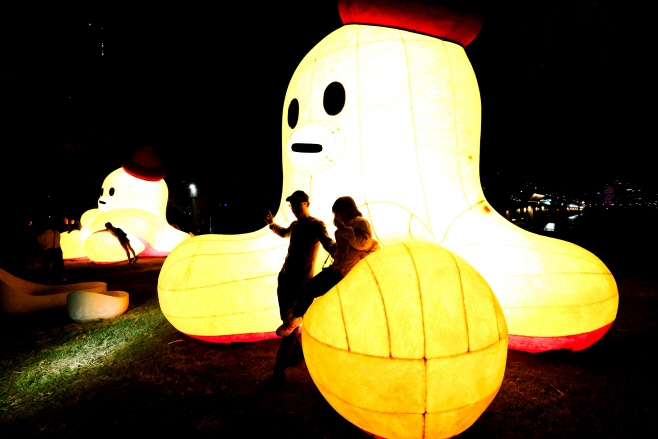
(102, 202)
(306, 147)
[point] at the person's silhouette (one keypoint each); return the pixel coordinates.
(123, 240)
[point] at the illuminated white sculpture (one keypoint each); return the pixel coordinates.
(404, 143)
(135, 205)
(20, 297)
(84, 306)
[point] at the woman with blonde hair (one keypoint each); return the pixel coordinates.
(353, 243)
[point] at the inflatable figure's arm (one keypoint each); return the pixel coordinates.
(87, 219)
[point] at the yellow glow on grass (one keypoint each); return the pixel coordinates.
(71, 356)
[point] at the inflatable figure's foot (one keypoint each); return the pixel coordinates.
(222, 288)
(576, 342)
(555, 295)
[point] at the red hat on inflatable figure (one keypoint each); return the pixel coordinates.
(448, 20)
(145, 165)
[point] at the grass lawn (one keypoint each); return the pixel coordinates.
(136, 374)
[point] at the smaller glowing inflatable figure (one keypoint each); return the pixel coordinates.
(411, 344)
(134, 199)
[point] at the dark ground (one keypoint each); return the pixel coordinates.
(175, 385)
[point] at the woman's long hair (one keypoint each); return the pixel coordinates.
(346, 208)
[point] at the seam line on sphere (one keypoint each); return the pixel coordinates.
(364, 408)
(218, 284)
(493, 299)
(420, 298)
(474, 351)
(562, 306)
(221, 315)
(342, 315)
(492, 394)
(491, 346)
(422, 319)
(461, 288)
(381, 295)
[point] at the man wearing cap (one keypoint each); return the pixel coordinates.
(305, 234)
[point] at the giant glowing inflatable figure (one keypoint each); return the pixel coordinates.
(134, 199)
(391, 118)
(411, 344)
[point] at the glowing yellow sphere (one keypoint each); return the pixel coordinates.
(411, 344)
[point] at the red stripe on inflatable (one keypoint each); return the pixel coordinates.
(576, 342)
(451, 22)
(254, 336)
(150, 251)
(144, 175)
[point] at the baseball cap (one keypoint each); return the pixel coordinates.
(299, 196)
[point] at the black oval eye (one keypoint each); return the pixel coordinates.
(101, 192)
(111, 191)
(293, 113)
(334, 98)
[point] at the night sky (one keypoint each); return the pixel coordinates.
(565, 94)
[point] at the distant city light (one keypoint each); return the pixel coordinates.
(193, 191)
